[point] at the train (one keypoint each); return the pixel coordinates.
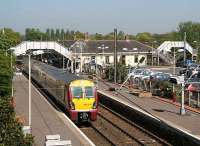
(77, 95)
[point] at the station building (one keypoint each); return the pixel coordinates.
(129, 52)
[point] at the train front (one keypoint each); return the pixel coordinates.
(83, 101)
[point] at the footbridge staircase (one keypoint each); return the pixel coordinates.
(164, 49)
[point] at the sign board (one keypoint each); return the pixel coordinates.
(58, 143)
(26, 130)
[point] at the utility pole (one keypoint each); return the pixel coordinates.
(182, 108)
(63, 59)
(115, 55)
(29, 84)
(184, 48)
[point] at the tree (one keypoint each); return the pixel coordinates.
(131, 37)
(121, 35)
(192, 30)
(98, 36)
(109, 36)
(8, 39)
(72, 35)
(52, 35)
(48, 35)
(170, 36)
(62, 34)
(79, 35)
(57, 35)
(33, 34)
(67, 35)
(11, 133)
(144, 37)
(10, 129)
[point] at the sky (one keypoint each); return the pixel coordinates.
(101, 16)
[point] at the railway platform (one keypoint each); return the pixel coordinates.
(46, 119)
(166, 111)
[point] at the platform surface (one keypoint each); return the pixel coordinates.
(166, 112)
(46, 120)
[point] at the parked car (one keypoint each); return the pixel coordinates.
(184, 64)
(160, 76)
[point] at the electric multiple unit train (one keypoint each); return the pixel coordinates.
(78, 96)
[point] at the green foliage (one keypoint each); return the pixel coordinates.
(79, 35)
(5, 75)
(57, 35)
(35, 34)
(8, 38)
(121, 35)
(144, 37)
(121, 73)
(170, 36)
(10, 129)
(97, 36)
(48, 34)
(62, 34)
(192, 30)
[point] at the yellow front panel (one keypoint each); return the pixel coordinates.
(83, 103)
(82, 83)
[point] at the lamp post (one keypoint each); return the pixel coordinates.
(29, 88)
(152, 56)
(103, 47)
(174, 68)
(115, 55)
(184, 55)
(29, 85)
(182, 109)
(63, 59)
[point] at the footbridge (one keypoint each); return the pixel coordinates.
(41, 45)
(166, 46)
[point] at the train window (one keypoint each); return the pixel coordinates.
(89, 92)
(77, 92)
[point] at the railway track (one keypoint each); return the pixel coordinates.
(113, 129)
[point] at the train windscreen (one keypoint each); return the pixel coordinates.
(77, 92)
(89, 92)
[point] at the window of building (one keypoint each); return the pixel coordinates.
(93, 59)
(107, 60)
(123, 59)
(136, 58)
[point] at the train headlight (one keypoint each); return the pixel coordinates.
(72, 106)
(94, 105)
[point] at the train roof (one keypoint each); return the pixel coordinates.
(56, 73)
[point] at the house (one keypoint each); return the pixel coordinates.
(129, 52)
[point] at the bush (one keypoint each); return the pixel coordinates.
(121, 73)
(10, 130)
(11, 133)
